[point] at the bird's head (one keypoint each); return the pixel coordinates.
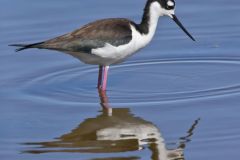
(167, 8)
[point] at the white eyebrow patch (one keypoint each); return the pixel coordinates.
(170, 3)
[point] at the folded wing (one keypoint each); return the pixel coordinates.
(94, 35)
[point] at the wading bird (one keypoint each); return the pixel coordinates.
(110, 41)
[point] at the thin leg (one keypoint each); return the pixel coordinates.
(105, 77)
(100, 77)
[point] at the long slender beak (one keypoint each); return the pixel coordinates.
(181, 26)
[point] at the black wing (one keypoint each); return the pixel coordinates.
(91, 36)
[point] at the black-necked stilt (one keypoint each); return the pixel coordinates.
(110, 41)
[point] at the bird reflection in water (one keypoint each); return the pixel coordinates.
(115, 130)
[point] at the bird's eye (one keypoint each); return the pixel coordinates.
(170, 4)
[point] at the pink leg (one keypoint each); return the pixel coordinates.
(105, 76)
(100, 77)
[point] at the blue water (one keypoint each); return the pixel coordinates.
(174, 99)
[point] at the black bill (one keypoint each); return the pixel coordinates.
(182, 27)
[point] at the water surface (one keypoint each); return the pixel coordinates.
(174, 99)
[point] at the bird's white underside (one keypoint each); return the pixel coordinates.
(114, 54)
(110, 54)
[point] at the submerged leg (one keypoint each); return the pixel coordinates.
(100, 77)
(105, 102)
(105, 77)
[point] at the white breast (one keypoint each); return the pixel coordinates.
(118, 54)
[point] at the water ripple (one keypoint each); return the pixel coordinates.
(142, 81)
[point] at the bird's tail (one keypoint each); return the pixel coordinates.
(26, 46)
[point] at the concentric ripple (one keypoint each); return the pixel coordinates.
(151, 81)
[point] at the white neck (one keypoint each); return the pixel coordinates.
(149, 24)
(154, 14)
